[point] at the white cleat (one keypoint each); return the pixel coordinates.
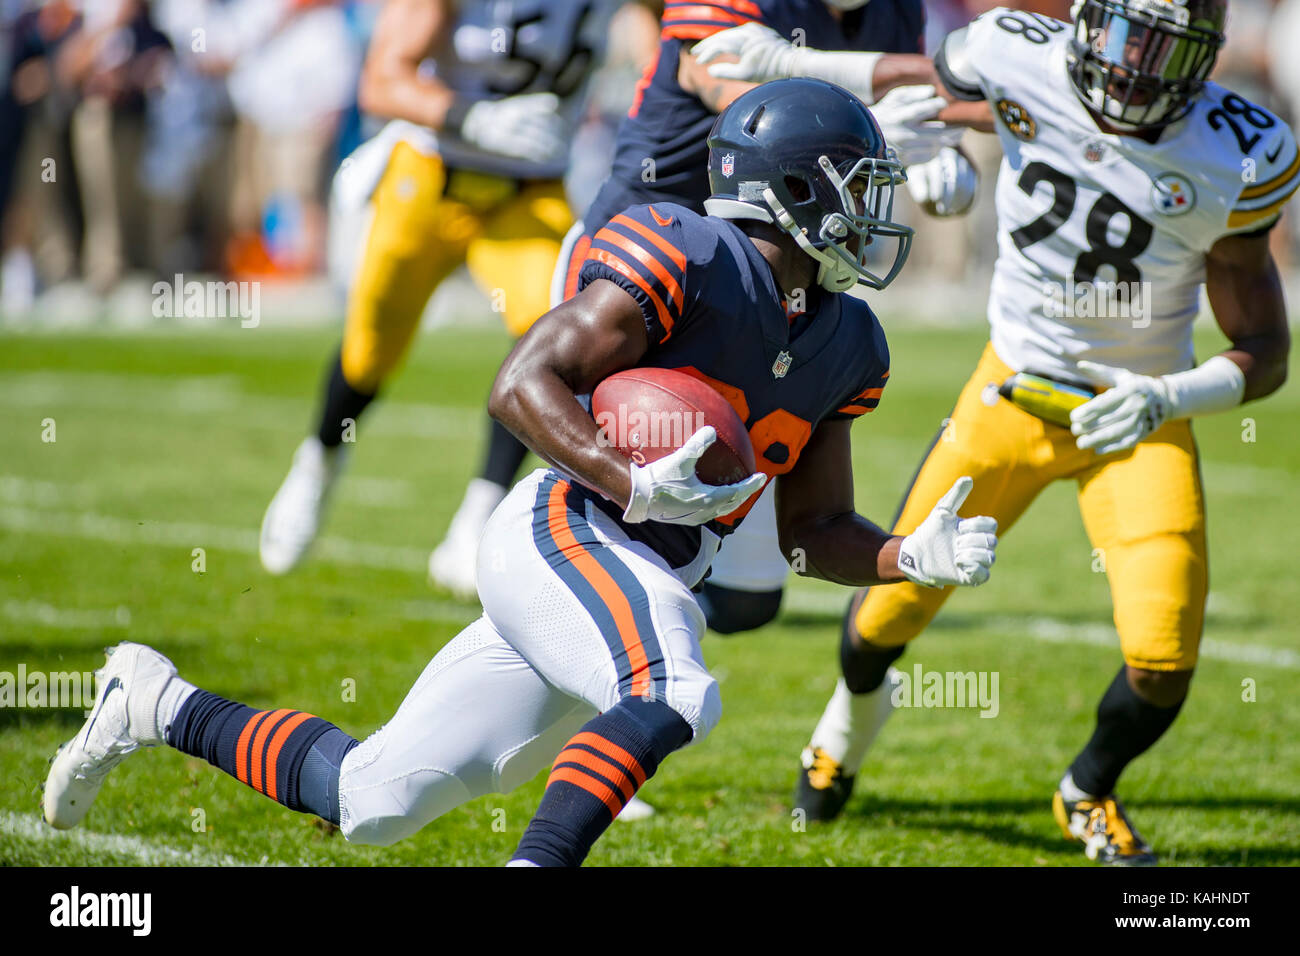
(636, 809)
(294, 515)
(125, 718)
(453, 563)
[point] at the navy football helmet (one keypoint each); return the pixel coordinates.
(808, 156)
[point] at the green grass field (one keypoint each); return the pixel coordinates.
(175, 440)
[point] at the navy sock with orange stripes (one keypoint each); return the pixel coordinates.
(595, 776)
(289, 756)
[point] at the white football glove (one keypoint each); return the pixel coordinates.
(763, 55)
(669, 490)
(522, 127)
(906, 117)
(947, 550)
(946, 185)
(1133, 405)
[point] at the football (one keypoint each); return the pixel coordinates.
(648, 413)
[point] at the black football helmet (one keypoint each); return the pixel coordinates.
(808, 156)
(1141, 63)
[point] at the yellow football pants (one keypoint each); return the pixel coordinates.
(424, 226)
(1142, 508)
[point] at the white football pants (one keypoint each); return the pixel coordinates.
(576, 618)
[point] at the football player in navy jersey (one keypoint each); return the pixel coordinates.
(661, 157)
(588, 646)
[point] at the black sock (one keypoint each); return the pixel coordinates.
(342, 402)
(595, 776)
(1127, 726)
(505, 453)
(863, 665)
(289, 756)
(731, 611)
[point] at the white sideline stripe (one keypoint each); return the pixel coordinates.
(30, 828)
(85, 524)
(208, 394)
(444, 611)
(361, 491)
(1056, 631)
(68, 618)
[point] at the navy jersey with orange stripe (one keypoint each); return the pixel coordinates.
(661, 154)
(713, 310)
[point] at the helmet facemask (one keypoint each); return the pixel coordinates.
(1141, 63)
(861, 208)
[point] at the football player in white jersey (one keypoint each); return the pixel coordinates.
(1128, 182)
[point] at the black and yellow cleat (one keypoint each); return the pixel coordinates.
(823, 789)
(1103, 828)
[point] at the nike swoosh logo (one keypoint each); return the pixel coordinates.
(1272, 157)
(660, 219)
(114, 684)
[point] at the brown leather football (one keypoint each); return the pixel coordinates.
(648, 413)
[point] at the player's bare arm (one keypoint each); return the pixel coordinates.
(406, 33)
(715, 93)
(814, 513)
(1245, 293)
(565, 354)
(815, 516)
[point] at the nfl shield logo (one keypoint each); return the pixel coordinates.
(782, 364)
(728, 164)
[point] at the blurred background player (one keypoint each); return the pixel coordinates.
(633, 39)
(661, 156)
(483, 99)
(1122, 176)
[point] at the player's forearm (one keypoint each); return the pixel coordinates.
(902, 69)
(844, 549)
(976, 116)
(405, 95)
(717, 94)
(1263, 361)
(1262, 346)
(1246, 295)
(539, 407)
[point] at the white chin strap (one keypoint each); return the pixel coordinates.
(834, 274)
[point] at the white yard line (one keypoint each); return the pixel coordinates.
(171, 396)
(1053, 630)
(31, 829)
(48, 615)
(188, 535)
(389, 557)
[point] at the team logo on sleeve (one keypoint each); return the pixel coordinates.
(1022, 125)
(782, 364)
(1172, 194)
(728, 164)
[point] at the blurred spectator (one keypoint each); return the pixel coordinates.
(188, 135)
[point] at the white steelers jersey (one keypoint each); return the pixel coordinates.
(1102, 238)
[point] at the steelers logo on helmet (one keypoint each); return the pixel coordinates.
(808, 157)
(1141, 63)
